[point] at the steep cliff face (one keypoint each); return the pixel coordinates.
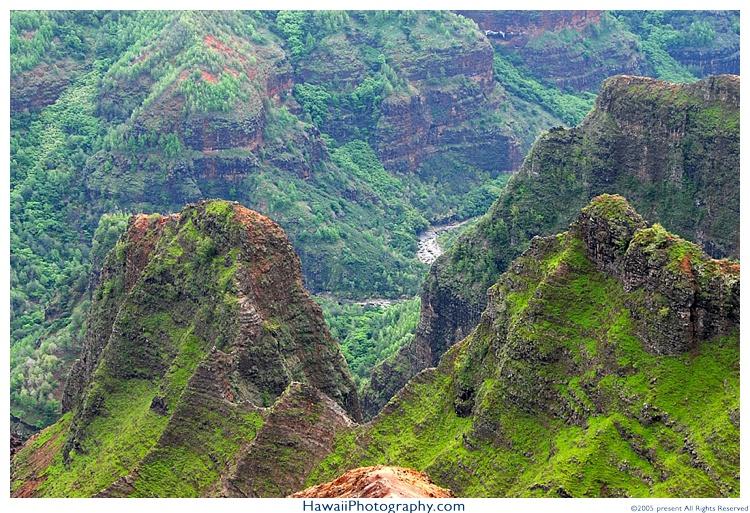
(673, 150)
(37, 88)
(579, 49)
(434, 118)
(683, 297)
(606, 364)
(412, 130)
(713, 61)
(443, 88)
(200, 322)
(571, 48)
(510, 25)
(213, 142)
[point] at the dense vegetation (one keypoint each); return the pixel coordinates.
(368, 334)
(293, 113)
(520, 82)
(566, 168)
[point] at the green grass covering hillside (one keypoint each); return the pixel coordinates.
(369, 334)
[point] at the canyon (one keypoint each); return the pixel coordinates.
(578, 337)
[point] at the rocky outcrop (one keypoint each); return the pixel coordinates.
(299, 432)
(136, 246)
(684, 296)
(199, 323)
(445, 319)
(673, 150)
(41, 86)
(377, 483)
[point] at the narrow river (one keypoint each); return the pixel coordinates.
(429, 249)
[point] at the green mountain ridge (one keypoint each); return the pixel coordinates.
(572, 384)
(199, 323)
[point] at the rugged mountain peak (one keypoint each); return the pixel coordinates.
(606, 227)
(378, 482)
(687, 296)
(671, 149)
(269, 321)
(200, 322)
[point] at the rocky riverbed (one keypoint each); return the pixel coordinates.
(429, 249)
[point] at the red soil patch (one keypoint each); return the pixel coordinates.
(685, 265)
(142, 237)
(208, 77)
(217, 45)
(36, 463)
(138, 229)
(214, 43)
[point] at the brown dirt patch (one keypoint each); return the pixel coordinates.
(36, 463)
(685, 265)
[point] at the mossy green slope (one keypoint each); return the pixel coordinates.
(557, 392)
(200, 321)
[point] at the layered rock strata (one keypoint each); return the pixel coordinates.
(606, 364)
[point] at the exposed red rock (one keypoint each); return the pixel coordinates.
(33, 464)
(41, 86)
(378, 482)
